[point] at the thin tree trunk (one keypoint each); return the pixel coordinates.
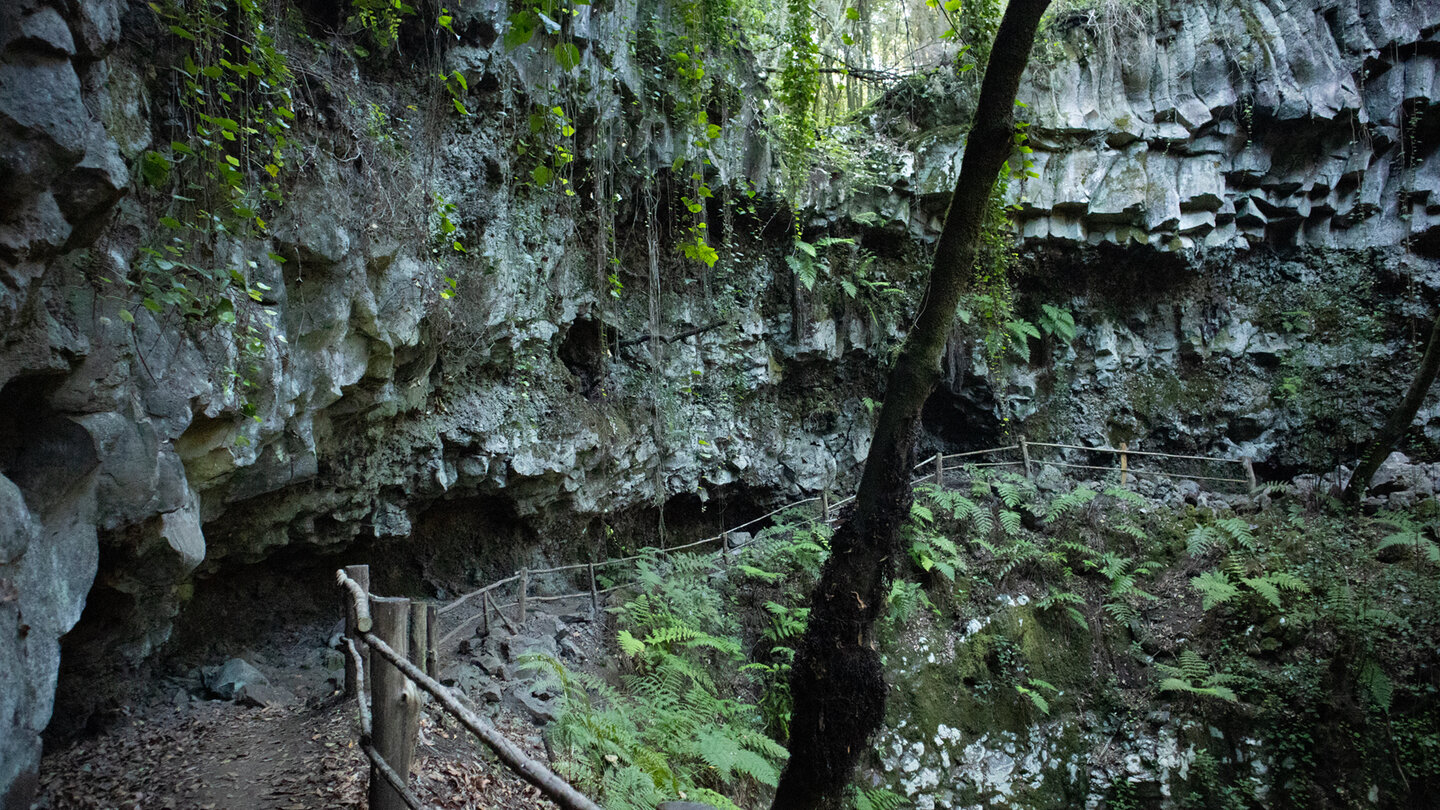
(1399, 420)
(837, 683)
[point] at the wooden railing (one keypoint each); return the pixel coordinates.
(390, 718)
(385, 626)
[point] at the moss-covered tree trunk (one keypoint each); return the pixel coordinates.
(1399, 420)
(837, 685)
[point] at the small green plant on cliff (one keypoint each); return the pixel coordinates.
(223, 177)
(1192, 675)
(667, 731)
(380, 20)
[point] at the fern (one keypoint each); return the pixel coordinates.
(1010, 522)
(1378, 685)
(629, 644)
(1215, 588)
(1238, 530)
(1409, 535)
(1126, 496)
(1011, 493)
(1033, 691)
(768, 577)
(666, 729)
(1069, 502)
(1202, 539)
(1193, 676)
(878, 799)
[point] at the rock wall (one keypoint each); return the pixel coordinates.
(1237, 201)
(380, 379)
(396, 380)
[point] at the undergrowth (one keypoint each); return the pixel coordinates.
(1308, 635)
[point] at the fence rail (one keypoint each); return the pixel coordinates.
(939, 463)
(393, 707)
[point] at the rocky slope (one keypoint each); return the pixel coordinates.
(363, 396)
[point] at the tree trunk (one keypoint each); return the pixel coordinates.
(1399, 420)
(837, 683)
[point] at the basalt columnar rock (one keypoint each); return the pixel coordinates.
(1202, 170)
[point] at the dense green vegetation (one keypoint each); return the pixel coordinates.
(1287, 631)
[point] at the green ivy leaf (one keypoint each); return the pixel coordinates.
(567, 55)
(522, 29)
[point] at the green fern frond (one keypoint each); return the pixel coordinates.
(1215, 588)
(920, 512)
(1010, 522)
(1131, 530)
(1238, 529)
(1265, 588)
(878, 799)
(1011, 494)
(768, 577)
(1378, 685)
(629, 644)
(1201, 540)
(1126, 496)
(1069, 502)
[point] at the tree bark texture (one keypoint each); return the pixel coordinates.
(1399, 421)
(837, 683)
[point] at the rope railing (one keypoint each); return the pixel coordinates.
(829, 513)
(361, 625)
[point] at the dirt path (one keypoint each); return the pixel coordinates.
(215, 756)
(173, 750)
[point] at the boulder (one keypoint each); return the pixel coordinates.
(227, 680)
(538, 710)
(263, 695)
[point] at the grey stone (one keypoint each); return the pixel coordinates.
(539, 711)
(17, 529)
(518, 646)
(226, 680)
(263, 695)
(45, 30)
(491, 664)
(543, 624)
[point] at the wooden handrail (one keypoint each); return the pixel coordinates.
(833, 508)
(1116, 451)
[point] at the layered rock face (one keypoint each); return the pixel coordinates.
(1237, 200)
(382, 387)
(523, 384)
(1229, 124)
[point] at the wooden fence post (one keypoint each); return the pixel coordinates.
(1025, 454)
(432, 641)
(485, 613)
(939, 470)
(419, 633)
(361, 575)
(520, 603)
(419, 654)
(394, 703)
(594, 594)
(825, 506)
(1250, 473)
(1124, 462)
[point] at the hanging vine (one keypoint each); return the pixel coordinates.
(797, 90)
